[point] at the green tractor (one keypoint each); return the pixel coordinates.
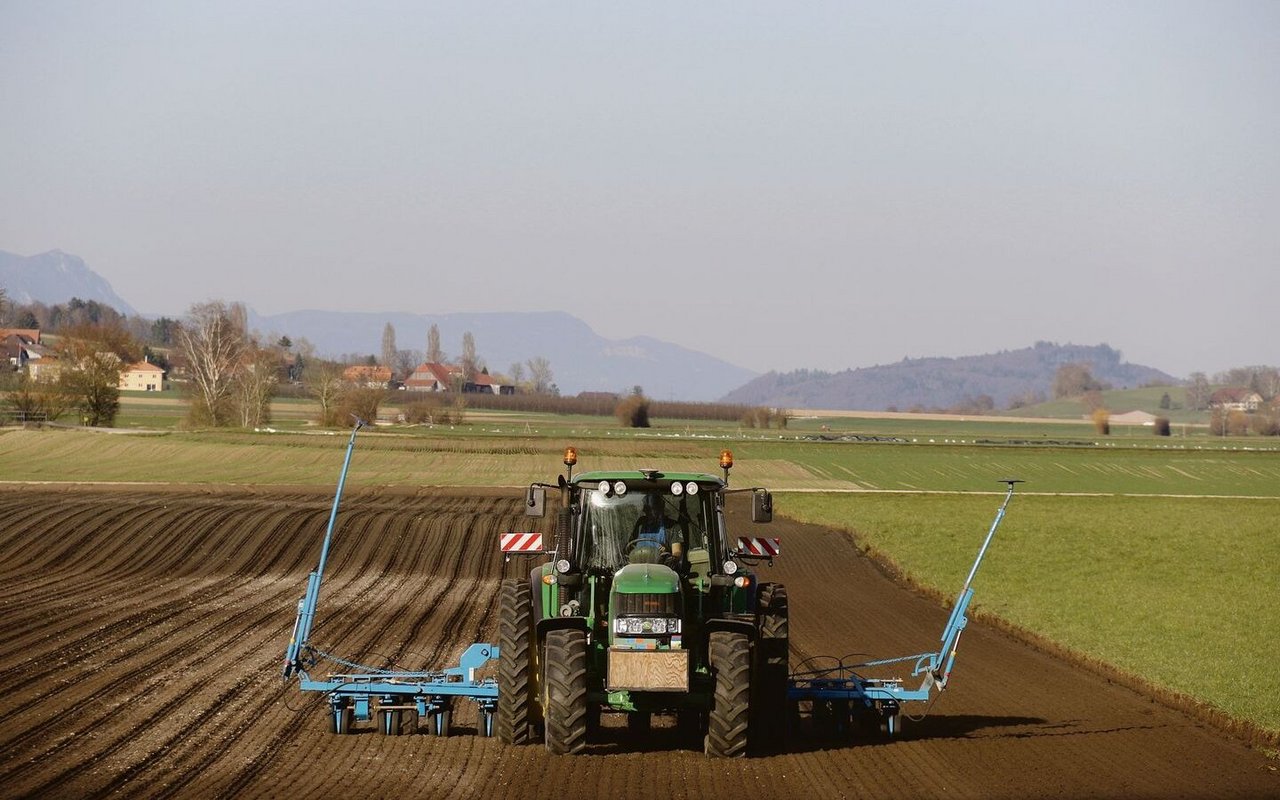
(645, 606)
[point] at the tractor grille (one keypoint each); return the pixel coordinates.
(647, 604)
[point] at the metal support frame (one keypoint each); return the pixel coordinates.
(430, 693)
(884, 696)
(354, 696)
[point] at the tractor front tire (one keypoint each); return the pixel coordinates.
(515, 672)
(565, 687)
(730, 655)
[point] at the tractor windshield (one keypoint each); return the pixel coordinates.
(612, 524)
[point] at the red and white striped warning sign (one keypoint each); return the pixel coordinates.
(521, 543)
(751, 546)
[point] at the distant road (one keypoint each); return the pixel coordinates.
(907, 415)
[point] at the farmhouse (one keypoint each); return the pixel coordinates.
(23, 349)
(28, 334)
(18, 344)
(14, 350)
(432, 377)
(1235, 398)
(370, 377)
(485, 384)
(142, 377)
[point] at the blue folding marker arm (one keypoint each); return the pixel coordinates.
(842, 684)
(354, 695)
(307, 605)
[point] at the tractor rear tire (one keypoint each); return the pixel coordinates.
(729, 720)
(565, 686)
(515, 672)
(769, 701)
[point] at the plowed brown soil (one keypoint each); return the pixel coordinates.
(142, 633)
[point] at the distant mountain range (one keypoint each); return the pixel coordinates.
(582, 360)
(55, 277)
(942, 382)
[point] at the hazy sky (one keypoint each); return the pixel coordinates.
(781, 185)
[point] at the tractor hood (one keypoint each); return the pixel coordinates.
(646, 579)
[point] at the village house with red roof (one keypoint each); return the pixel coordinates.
(1235, 398)
(372, 377)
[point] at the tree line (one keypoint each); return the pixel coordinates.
(94, 344)
(227, 373)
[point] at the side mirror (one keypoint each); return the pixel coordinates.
(535, 501)
(761, 506)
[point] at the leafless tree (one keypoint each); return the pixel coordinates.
(516, 373)
(389, 347)
(213, 345)
(1198, 392)
(1266, 423)
(93, 357)
(1268, 382)
(434, 354)
(239, 316)
(323, 381)
(540, 375)
(303, 347)
(1237, 423)
(253, 384)
(469, 367)
(41, 399)
(406, 362)
(1261, 379)
(359, 401)
(633, 411)
(94, 383)
(1073, 380)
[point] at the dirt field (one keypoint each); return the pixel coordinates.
(142, 633)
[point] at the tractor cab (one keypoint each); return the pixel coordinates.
(639, 518)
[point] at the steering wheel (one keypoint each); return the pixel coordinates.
(631, 545)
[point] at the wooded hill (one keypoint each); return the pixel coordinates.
(969, 382)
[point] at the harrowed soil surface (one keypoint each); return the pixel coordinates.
(142, 634)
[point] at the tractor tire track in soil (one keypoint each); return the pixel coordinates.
(143, 631)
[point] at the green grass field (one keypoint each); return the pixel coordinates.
(507, 456)
(1150, 555)
(1120, 401)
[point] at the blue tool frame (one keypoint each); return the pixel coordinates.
(354, 695)
(357, 695)
(884, 697)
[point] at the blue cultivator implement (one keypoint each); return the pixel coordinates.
(614, 621)
(354, 695)
(836, 697)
